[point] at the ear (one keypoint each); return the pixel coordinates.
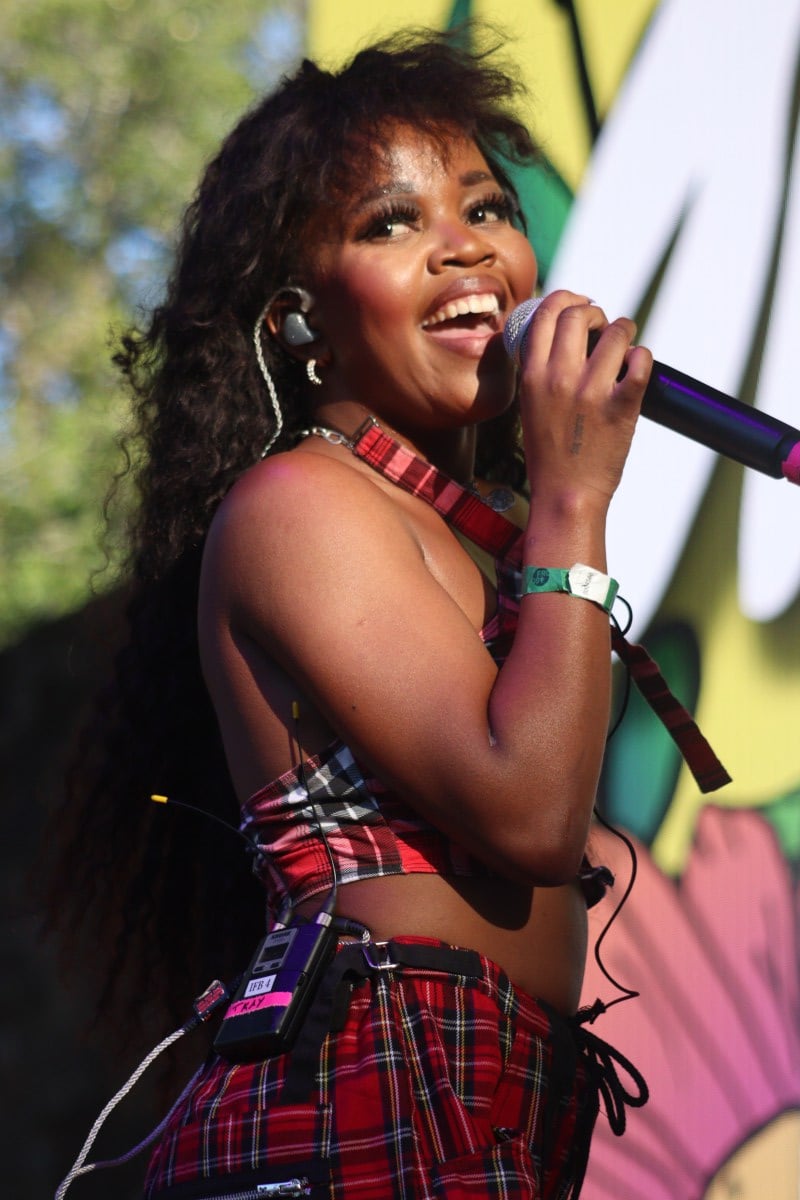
(287, 321)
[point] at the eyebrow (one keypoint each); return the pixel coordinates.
(471, 177)
(403, 187)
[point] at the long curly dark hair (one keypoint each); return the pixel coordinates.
(166, 897)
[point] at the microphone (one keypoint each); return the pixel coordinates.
(697, 411)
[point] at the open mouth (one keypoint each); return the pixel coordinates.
(476, 315)
(466, 307)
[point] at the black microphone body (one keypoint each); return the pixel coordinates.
(699, 412)
(725, 425)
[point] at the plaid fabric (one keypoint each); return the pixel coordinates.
(369, 830)
(463, 510)
(439, 1085)
(701, 760)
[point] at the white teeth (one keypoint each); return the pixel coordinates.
(485, 302)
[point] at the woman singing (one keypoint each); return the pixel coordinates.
(358, 521)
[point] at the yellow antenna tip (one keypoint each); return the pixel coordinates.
(160, 799)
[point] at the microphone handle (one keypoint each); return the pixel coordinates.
(725, 425)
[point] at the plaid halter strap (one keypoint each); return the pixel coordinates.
(494, 533)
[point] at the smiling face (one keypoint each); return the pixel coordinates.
(412, 286)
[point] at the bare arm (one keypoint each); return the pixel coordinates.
(325, 573)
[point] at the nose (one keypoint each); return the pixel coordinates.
(459, 244)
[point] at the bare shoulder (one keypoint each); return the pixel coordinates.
(293, 494)
(299, 517)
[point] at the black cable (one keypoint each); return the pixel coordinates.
(252, 845)
(627, 993)
(330, 902)
(626, 694)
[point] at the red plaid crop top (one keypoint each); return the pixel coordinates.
(370, 831)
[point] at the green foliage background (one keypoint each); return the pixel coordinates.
(108, 110)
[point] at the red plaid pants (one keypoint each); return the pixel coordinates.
(438, 1081)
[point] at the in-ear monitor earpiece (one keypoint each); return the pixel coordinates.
(296, 330)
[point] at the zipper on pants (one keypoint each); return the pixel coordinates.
(287, 1189)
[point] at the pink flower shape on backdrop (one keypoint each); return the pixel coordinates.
(716, 1029)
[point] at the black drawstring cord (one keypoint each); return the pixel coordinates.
(602, 1061)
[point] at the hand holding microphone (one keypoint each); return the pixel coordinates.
(697, 411)
(580, 395)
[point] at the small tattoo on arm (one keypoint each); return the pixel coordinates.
(577, 435)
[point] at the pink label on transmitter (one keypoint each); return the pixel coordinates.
(270, 1000)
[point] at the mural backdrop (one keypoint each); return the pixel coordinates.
(672, 192)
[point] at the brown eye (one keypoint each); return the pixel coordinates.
(388, 224)
(493, 208)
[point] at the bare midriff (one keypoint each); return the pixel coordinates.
(536, 935)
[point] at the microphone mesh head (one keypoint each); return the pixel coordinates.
(516, 328)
